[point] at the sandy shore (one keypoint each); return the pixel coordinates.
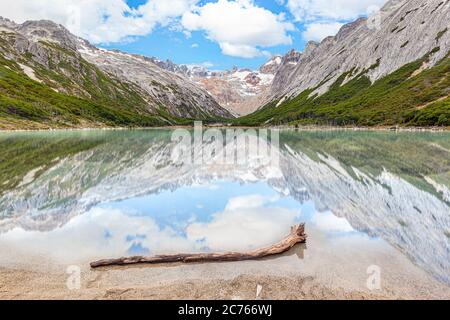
(104, 285)
(19, 284)
(324, 268)
(278, 278)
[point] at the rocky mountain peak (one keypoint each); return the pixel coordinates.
(292, 56)
(4, 22)
(405, 32)
(310, 47)
(43, 43)
(271, 66)
(47, 30)
(239, 89)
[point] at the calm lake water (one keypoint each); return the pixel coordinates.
(72, 197)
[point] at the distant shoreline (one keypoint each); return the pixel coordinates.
(297, 128)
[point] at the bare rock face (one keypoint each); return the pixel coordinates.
(403, 31)
(179, 95)
(45, 30)
(285, 71)
(252, 79)
(271, 66)
(49, 45)
(239, 90)
(7, 24)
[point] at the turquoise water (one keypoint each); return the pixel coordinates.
(77, 196)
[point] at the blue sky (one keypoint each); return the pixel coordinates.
(197, 49)
(219, 34)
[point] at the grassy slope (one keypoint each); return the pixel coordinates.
(399, 98)
(89, 98)
(92, 99)
(25, 103)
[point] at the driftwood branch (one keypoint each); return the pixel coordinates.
(296, 236)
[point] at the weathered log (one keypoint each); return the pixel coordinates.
(296, 236)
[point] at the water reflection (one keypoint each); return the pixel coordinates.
(107, 194)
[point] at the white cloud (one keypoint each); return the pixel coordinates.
(99, 21)
(205, 65)
(319, 31)
(239, 50)
(245, 223)
(327, 221)
(93, 235)
(312, 10)
(324, 18)
(240, 27)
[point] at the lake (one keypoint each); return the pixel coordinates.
(373, 202)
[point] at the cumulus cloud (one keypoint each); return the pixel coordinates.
(240, 27)
(100, 21)
(312, 10)
(93, 235)
(248, 222)
(319, 31)
(245, 223)
(323, 18)
(327, 221)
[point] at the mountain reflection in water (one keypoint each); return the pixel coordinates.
(100, 194)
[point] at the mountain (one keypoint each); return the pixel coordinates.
(238, 90)
(50, 77)
(390, 69)
(272, 66)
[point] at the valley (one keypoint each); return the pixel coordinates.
(395, 72)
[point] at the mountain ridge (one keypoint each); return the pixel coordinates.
(361, 43)
(387, 70)
(239, 90)
(391, 69)
(45, 56)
